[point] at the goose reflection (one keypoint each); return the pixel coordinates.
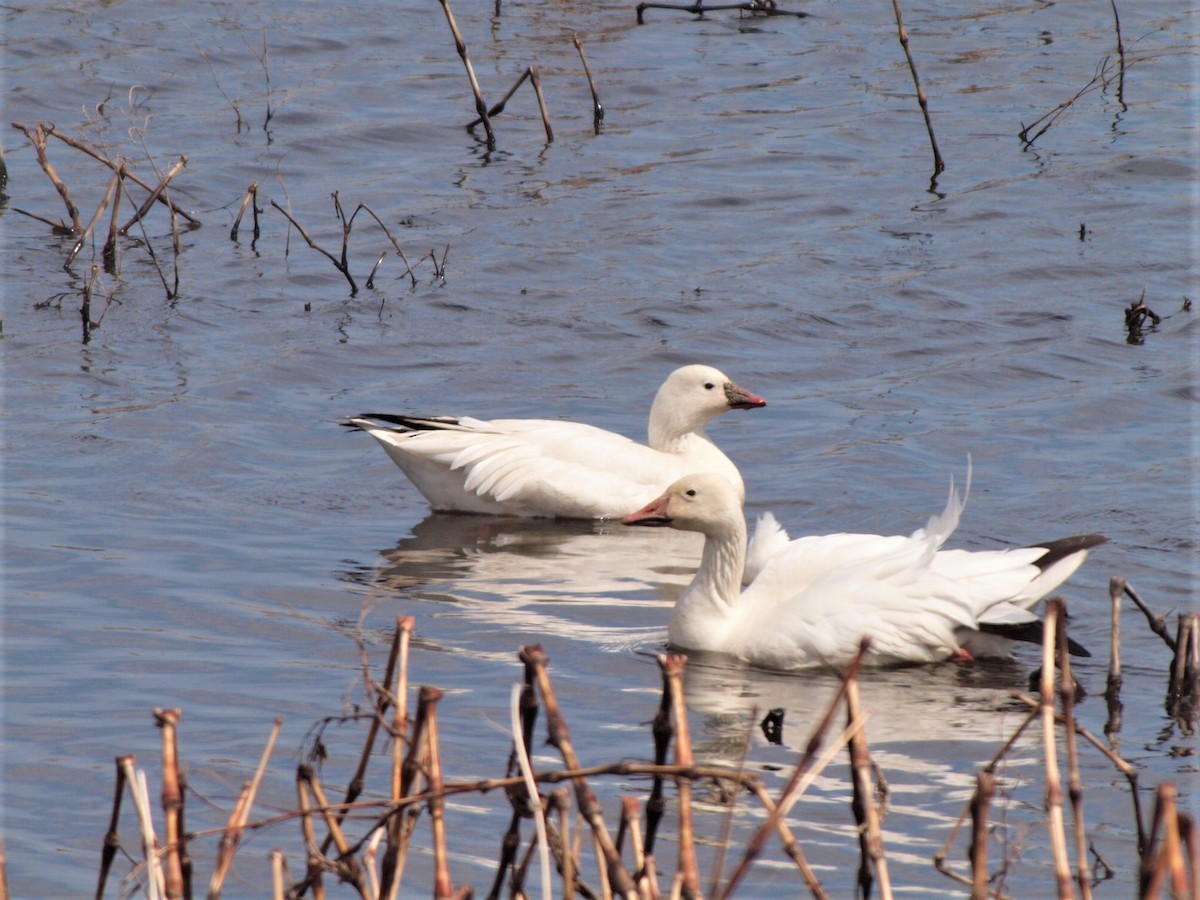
(593, 581)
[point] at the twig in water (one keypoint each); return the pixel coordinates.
(874, 862)
(1054, 793)
(172, 801)
(699, 8)
(113, 184)
(531, 74)
(481, 109)
(1135, 316)
(251, 201)
(939, 165)
(37, 137)
(1157, 623)
(985, 787)
(112, 838)
(597, 107)
(1120, 56)
(1183, 689)
(1074, 781)
(339, 264)
(154, 194)
(672, 665)
(1112, 691)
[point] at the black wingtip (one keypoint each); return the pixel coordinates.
(1032, 633)
(1060, 549)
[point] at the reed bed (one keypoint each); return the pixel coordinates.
(562, 842)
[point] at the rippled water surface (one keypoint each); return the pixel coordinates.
(187, 526)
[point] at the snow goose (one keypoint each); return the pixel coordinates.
(539, 467)
(814, 598)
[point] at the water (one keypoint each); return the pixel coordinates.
(186, 524)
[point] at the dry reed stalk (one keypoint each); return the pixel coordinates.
(754, 846)
(985, 788)
(279, 875)
(874, 861)
(589, 806)
(1120, 56)
(109, 253)
(140, 794)
(241, 815)
(597, 106)
(1158, 624)
(37, 137)
(1054, 793)
(1183, 690)
(939, 164)
(791, 846)
(520, 747)
(100, 157)
(113, 183)
(249, 201)
(560, 801)
(662, 730)
(672, 666)
(3, 855)
(339, 264)
(1074, 780)
(443, 887)
(532, 75)
(699, 8)
(1112, 690)
(460, 45)
(401, 821)
(154, 194)
(313, 867)
(346, 865)
(172, 802)
(1167, 862)
(112, 838)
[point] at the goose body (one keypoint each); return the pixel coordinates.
(541, 467)
(811, 600)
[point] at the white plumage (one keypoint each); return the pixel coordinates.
(811, 600)
(541, 467)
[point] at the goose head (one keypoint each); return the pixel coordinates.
(704, 502)
(691, 397)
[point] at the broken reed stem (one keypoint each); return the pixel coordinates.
(83, 236)
(1054, 793)
(535, 78)
(172, 801)
(560, 738)
(339, 264)
(240, 815)
(1183, 689)
(249, 201)
(939, 165)
(1112, 690)
(100, 157)
(443, 887)
(521, 750)
(597, 106)
(662, 731)
(140, 794)
(109, 253)
(346, 865)
(672, 666)
(1158, 624)
(985, 788)
(313, 870)
(1160, 864)
(112, 838)
(874, 860)
(1067, 690)
(154, 194)
(37, 137)
(460, 45)
(755, 844)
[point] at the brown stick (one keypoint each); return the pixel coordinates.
(83, 236)
(874, 860)
(339, 264)
(313, 875)
(443, 887)
(112, 838)
(672, 666)
(939, 165)
(172, 801)
(241, 815)
(1074, 780)
(346, 864)
(111, 259)
(560, 738)
(251, 201)
(1158, 624)
(754, 846)
(154, 194)
(985, 787)
(597, 107)
(79, 145)
(481, 109)
(535, 79)
(1112, 691)
(37, 137)
(1054, 793)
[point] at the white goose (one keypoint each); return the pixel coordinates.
(540, 467)
(814, 598)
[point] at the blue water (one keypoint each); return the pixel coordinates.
(186, 524)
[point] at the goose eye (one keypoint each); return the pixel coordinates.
(708, 386)
(691, 492)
